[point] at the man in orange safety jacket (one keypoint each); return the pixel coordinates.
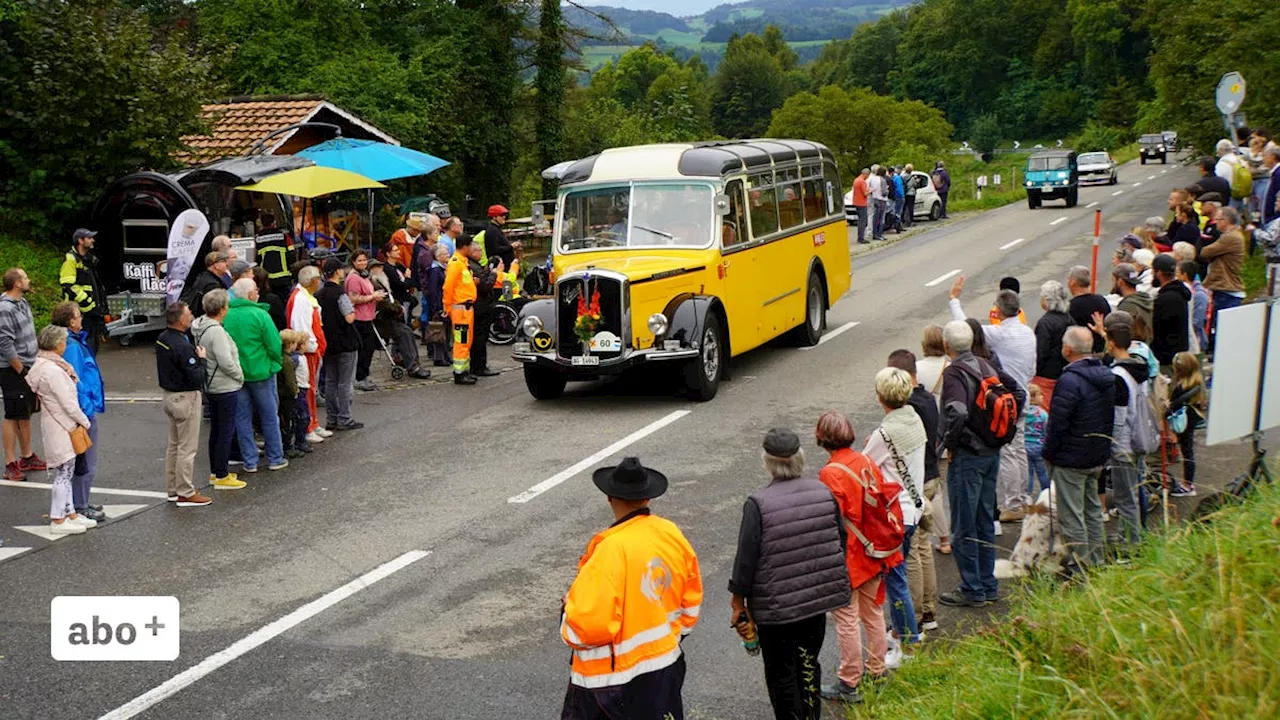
(637, 595)
(460, 293)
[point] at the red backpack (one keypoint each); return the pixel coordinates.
(882, 530)
(993, 416)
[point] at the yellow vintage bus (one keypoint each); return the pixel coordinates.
(689, 254)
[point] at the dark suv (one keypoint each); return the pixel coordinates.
(1153, 146)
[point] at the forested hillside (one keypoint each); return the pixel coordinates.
(94, 89)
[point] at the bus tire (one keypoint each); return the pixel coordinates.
(544, 384)
(811, 327)
(702, 375)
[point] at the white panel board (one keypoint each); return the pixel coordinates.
(1271, 379)
(1238, 352)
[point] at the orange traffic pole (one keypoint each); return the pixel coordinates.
(1097, 231)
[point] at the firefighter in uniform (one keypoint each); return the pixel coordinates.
(80, 284)
(459, 305)
(275, 255)
(636, 596)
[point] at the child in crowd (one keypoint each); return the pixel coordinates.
(1187, 409)
(1036, 421)
(288, 389)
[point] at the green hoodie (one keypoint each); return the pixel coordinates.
(250, 326)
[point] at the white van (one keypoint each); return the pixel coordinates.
(928, 204)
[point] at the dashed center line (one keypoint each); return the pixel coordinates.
(1059, 220)
(1092, 204)
(1163, 172)
(1151, 177)
(833, 334)
(1008, 245)
(608, 452)
(1118, 192)
(1137, 184)
(940, 278)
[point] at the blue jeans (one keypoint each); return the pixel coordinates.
(898, 595)
(1221, 301)
(86, 468)
(971, 488)
(259, 397)
(878, 208)
(1036, 471)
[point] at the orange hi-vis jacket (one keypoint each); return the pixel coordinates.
(637, 593)
(459, 283)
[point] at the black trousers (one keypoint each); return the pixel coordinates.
(368, 344)
(480, 340)
(651, 696)
(95, 327)
(791, 670)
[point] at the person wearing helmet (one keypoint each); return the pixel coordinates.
(496, 243)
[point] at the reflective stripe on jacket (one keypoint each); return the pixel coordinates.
(638, 591)
(80, 283)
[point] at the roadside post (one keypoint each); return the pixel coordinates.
(1097, 232)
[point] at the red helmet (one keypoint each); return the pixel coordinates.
(496, 210)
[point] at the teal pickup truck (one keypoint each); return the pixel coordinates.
(1052, 175)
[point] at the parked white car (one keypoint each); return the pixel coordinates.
(928, 204)
(1098, 167)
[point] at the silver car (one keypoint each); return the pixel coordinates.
(1098, 168)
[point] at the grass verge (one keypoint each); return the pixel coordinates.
(1189, 630)
(42, 262)
(1254, 273)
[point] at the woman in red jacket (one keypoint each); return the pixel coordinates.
(835, 435)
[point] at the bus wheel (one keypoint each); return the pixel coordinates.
(702, 376)
(815, 315)
(544, 384)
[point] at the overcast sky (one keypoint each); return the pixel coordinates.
(679, 8)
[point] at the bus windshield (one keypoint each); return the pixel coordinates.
(636, 215)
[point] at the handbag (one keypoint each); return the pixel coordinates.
(435, 331)
(80, 441)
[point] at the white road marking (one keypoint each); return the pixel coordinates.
(1151, 177)
(831, 335)
(41, 531)
(940, 278)
(1137, 184)
(594, 459)
(1092, 204)
(1163, 172)
(100, 490)
(1118, 192)
(1008, 245)
(115, 511)
(260, 636)
(9, 552)
(1059, 220)
(135, 398)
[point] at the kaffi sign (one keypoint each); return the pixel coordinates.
(145, 274)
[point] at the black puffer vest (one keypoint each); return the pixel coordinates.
(801, 571)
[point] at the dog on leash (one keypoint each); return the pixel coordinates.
(1040, 545)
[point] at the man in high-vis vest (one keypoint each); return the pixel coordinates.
(637, 594)
(80, 284)
(275, 254)
(459, 304)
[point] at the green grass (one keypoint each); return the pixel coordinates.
(1189, 630)
(964, 175)
(42, 262)
(1254, 273)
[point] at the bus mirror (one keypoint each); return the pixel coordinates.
(722, 204)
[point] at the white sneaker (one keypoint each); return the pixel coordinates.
(66, 527)
(893, 657)
(315, 437)
(84, 522)
(999, 532)
(324, 432)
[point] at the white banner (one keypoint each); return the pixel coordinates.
(186, 235)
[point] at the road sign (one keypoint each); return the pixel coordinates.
(1230, 93)
(982, 181)
(1016, 144)
(996, 180)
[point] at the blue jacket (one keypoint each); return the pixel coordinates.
(897, 184)
(1082, 416)
(434, 291)
(93, 399)
(1269, 212)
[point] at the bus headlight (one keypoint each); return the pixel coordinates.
(658, 324)
(531, 326)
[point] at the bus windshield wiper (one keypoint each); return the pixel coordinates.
(668, 236)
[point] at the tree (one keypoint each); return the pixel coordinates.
(749, 85)
(859, 126)
(488, 149)
(90, 93)
(985, 135)
(549, 86)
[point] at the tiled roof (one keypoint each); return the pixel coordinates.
(238, 123)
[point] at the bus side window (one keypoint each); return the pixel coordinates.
(815, 200)
(733, 229)
(763, 205)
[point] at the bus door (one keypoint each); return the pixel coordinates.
(738, 269)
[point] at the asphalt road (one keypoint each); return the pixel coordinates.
(470, 629)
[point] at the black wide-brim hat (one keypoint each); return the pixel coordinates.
(630, 481)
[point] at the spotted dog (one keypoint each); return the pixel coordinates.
(1033, 549)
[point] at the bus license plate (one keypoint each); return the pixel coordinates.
(585, 360)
